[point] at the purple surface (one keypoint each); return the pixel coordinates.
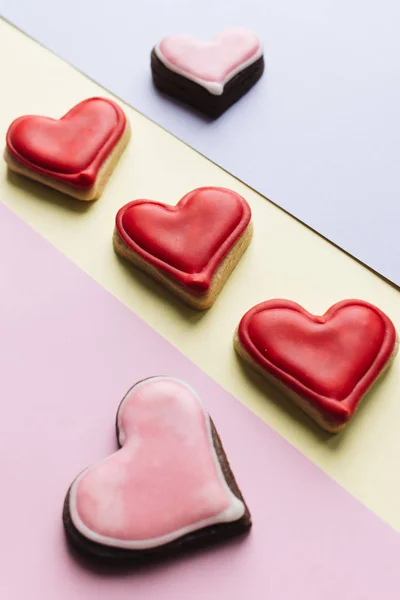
(68, 353)
(318, 134)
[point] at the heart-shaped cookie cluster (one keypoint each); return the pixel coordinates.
(169, 486)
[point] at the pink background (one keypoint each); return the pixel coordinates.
(69, 351)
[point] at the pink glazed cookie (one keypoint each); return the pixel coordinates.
(210, 76)
(168, 488)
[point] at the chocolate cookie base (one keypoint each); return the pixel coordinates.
(194, 94)
(194, 540)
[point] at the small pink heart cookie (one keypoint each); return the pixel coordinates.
(168, 487)
(211, 75)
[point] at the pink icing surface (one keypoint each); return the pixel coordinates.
(164, 478)
(210, 61)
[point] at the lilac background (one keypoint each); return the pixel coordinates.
(319, 135)
(69, 351)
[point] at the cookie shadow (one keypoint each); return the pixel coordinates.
(279, 399)
(42, 192)
(108, 567)
(157, 289)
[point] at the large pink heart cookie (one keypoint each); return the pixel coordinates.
(326, 363)
(168, 486)
(209, 75)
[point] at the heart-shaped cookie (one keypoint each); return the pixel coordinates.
(191, 247)
(326, 363)
(199, 72)
(169, 485)
(210, 64)
(76, 153)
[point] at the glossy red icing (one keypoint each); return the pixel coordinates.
(329, 360)
(187, 241)
(73, 148)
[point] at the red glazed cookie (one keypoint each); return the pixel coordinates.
(168, 488)
(75, 154)
(325, 363)
(212, 75)
(192, 247)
